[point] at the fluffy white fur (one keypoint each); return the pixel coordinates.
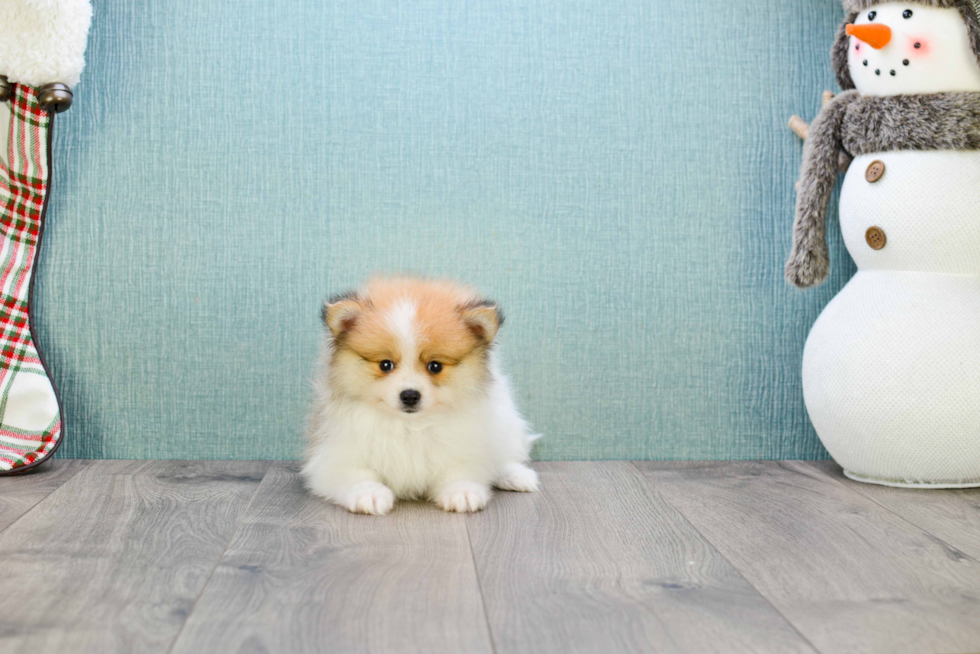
(43, 41)
(468, 436)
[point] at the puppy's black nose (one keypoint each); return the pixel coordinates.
(410, 397)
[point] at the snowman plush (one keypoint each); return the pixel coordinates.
(891, 368)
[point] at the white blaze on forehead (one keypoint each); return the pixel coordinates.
(945, 62)
(401, 322)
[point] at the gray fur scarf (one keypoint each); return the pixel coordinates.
(853, 124)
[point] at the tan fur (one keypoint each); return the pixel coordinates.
(450, 329)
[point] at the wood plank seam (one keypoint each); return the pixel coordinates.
(28, 511)
(221, 558)
(598, 561)
(949, 547)
(721, 553)
(869, 605)
(302, 574)
(43, 499)
(115, 558)
(479, 587)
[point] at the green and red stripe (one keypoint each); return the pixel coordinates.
(23, 192)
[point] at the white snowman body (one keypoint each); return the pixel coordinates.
(891, 368)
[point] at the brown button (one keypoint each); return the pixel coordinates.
(875, 171)
(875, 238)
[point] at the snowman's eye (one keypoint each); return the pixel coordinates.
(872, 15)
(907, 14)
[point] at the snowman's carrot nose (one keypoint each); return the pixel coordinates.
(877, 36)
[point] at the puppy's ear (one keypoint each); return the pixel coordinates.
(484, 318)
(340, 313)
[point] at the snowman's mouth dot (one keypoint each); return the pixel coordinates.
(865, 62)
(877, 72)
(893, 73)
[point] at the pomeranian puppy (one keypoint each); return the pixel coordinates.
(411, 403)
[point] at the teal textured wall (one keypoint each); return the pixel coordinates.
(616, 173)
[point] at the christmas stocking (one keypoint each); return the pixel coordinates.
(41, 52)
(30, 416)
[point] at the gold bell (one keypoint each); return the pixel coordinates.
(54, 97)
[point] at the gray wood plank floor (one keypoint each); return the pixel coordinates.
(849, 574)
(601, 563)
(303, 575)
(111, 556)
(952, 515)
(113, 560)
(21, 493)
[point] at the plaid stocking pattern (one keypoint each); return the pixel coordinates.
(30, 415)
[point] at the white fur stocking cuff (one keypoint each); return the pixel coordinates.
(43, 41)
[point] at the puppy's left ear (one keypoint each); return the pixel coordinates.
(484, 318)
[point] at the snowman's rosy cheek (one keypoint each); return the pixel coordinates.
(918, 47)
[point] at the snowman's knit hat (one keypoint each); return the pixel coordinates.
(970, 9)
(860, 5)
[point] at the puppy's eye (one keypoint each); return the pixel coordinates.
(434, 367)
(387, 365)
(872, 15)
(907, 14)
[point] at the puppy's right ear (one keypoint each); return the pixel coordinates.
(340, 313)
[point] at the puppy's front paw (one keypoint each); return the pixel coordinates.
(463, 497)
(517, 477)
(370, 497)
